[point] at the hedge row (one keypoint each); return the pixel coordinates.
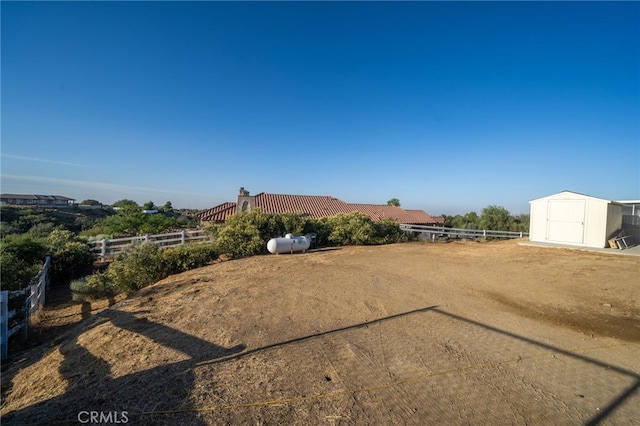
(143, 266)
(246, 234)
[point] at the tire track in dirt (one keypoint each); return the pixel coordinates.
(583, 320)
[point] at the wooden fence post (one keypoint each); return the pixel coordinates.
(183, 236)
(103, 251)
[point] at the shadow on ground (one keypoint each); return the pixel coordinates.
(161, 395)
(90, 386)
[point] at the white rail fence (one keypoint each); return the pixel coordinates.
(435, 232)
(109, 249)
(35, 297)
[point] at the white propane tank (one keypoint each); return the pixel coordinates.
(288, 245)
(289, 236)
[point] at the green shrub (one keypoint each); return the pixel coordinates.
(137, 268)
(351, 229)
(71, 257)
(97, 285)
(25, 247)
(21, 258)
(388, 231)
(322, 229)
(355, 229)
(42, 230)
(78, 289)
(239, 240)
(246, 234)
(16, 273)
(147, 264)
(186, 257)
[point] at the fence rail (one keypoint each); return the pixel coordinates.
(435, 232)
(109, 249)
(35, 298)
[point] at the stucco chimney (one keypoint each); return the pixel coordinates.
(245, 202)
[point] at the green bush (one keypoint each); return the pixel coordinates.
(186, 257)
(71, 257)
(241, 236)
(21, 258)
(246, 234)
(25, 247)
(355, 229)
(97, 285)
(388, 231)
(42, 230)
(320, 227)
(16, 273)
(137, 268)
(147, 264)
(351, 229)
(238, 241)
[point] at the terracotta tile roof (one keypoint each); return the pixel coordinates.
(218, 213)
(317, 206)
(400, 215)
(423, 217)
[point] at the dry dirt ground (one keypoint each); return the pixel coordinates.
(418, 333)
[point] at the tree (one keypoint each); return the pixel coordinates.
(496, 218)
(129, 220)
(149, 206)
(90, 202)
(393, 202)
(520, 222)
(167, 208)
(157, 223)
(471, 221)
(125, 203)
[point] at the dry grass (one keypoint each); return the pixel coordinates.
(313, 332)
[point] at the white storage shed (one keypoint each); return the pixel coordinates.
(571, 218)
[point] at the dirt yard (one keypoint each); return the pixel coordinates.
(457, 333)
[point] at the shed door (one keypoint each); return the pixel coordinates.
(565, 221)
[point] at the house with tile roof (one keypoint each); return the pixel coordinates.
(312, 206)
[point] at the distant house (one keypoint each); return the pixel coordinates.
(313, 206)
(50, 201)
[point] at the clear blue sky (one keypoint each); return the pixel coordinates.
(449, 107)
